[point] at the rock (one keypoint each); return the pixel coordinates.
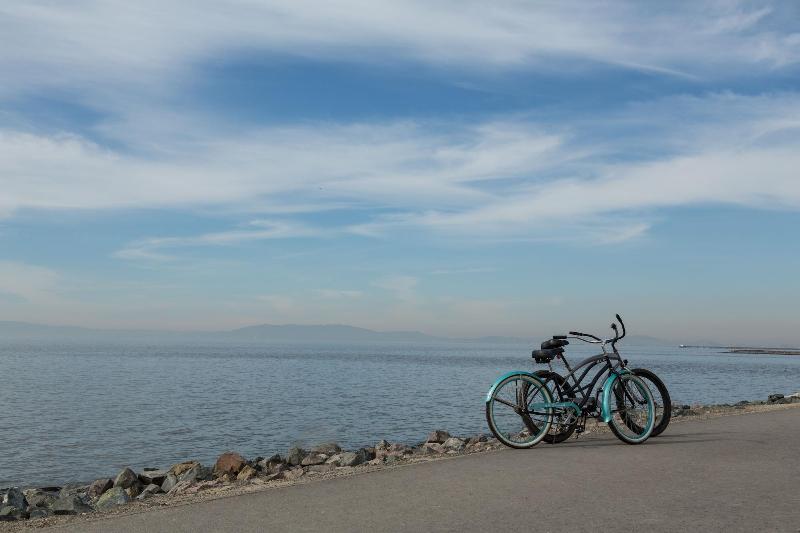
(112, 498)
(454, 443)
(180, 468)
(72, 504)
(294, 473)
(149, 491)
(743, 402)
(134, 490)
(229, 463)
(321, 469)
(180, 487)
(334, 459)
(434, 447)
(267, 464)
(295, 455)
(39, 512)
(353, 458)
(40, 497)
(278, 468)
(9, 513)
(14, 498)
(170, 481)
(197, 472)
(153, 476)
(98, 487)
(438, 436)
(382, 449)
(773, 398)
(314, 458)
(127, 478)
(477, 439)
(328, 448)
(247, 473)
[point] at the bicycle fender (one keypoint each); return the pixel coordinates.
(605, 404)
(512, 373)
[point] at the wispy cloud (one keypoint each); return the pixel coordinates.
(506, 178)
(154, 43)
(150, 248)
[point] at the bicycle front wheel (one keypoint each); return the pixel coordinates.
(515, 412)
(633, 418)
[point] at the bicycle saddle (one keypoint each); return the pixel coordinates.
(545, 356)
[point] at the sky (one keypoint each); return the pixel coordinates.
(455, 167)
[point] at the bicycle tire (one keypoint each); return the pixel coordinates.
(663, 418)
(621, 417)
(525, 419)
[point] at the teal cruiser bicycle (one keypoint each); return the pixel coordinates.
(524, 408)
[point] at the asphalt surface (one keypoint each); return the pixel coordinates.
(735, 473)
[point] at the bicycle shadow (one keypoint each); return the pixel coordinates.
(664, 439)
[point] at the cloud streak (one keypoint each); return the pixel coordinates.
(146, 44)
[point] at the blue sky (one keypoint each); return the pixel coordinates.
(459, 168)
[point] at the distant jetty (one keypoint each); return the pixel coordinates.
(747, 349)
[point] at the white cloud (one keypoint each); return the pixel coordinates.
(150, 248)
(507, 178)
(339, 294)
(143, 46)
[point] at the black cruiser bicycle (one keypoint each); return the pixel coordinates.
(524, 408)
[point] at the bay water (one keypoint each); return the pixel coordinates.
(77, 411)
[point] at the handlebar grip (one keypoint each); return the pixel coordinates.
(578, 333)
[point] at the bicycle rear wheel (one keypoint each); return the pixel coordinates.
(661, 399)
(513, 411)
(633, 419)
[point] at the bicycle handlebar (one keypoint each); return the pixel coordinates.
(616, 338)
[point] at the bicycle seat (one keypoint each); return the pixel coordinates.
(545, 356)
(554, 343)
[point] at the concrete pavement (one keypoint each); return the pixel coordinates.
(734, 473)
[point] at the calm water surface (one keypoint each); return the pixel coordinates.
(77, 412)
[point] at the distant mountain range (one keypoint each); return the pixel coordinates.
(262, 333)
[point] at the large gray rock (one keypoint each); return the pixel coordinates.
(112, 498)
(40, 497)
(148, 491)
(9, 513)
(438, 436)
(454, 443)
(70, 505)
(153, 476)
(295, 455)
(127, 478)
(170, 481)
(314, 458)
(774, 398)
(39, 512)
(197, 472)
(14, 498)
(71, 489)
(328, 448)
(271, 464)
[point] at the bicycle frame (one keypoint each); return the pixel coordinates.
(576, 388)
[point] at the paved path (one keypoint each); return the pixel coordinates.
(736, 473)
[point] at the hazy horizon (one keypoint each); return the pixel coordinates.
(510, 169)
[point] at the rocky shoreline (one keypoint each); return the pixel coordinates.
(40, 506)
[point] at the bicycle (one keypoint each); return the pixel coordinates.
(520, 408)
